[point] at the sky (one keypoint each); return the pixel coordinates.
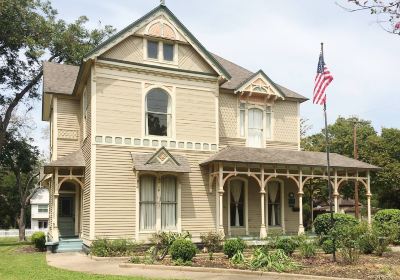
(283, 39)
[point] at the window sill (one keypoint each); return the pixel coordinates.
(158, 62)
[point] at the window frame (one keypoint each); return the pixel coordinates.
(40, 210)
(160, 60)
(154, 202)
(175, 202)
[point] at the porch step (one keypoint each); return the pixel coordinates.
(69, 245)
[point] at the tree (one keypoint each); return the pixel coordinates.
(21, 159)
(387, 12)
(30, 33)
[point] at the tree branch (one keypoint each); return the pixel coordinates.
(28, 198)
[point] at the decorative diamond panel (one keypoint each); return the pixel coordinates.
(68, 134)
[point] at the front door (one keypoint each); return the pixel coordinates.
(66, 219)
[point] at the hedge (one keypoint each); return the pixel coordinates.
(322, 223)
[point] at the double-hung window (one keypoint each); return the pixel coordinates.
(165, 196)
(158, 113)
(161, 51)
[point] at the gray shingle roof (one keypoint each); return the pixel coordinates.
(59, 78)
(74, 159)
(285, 157)
(140, 163)
(240, 75)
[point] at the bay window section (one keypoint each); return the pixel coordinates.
(168, 203)
(255, 128)
(147, 203)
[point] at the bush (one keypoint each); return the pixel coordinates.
(212, 241)
(182, 249)
(367, 240)
(347, 238)
(389, 216)
(322, 223)
(232, 246)
(162, 242)
(39, 240)
(287, 244)
(308, 250)
(103, 247)
(327, 246)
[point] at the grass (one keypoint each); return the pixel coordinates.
(16, 264)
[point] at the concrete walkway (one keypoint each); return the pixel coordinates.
(82, 263)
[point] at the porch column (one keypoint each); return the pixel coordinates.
(369, 198)
(300, 196)
(336, 193)
(301, 227)
(55, 233)
(263, 229)
(335, 201)
(221, 199)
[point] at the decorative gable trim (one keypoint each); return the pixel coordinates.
(260, 83)
(135, 26)
(162, 156)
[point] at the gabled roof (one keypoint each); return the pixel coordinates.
(112, 41)
(160, 161)
(240, 75)
(59, 78)
(285, 157)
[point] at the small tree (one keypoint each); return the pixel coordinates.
(21, 159)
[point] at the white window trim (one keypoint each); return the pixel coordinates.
(158, 226)
(172, 94)
(160, 57)
(245, 202)
(246, 120)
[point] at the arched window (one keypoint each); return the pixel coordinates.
(158, 113)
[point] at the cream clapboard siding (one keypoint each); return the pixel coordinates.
(282, 145)
(254, 208)
(226, 141)
(116, 187)
(120, 104)
(86, 149)
(119, 107)
(131, 50)
(228, 121)
(68, 126)
(286, 122)
(195, 117)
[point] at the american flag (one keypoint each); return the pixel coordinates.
(322, 80)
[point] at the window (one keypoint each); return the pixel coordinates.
(268, 119)
(158, 113)
(242, 119)
(255, 130)
(237, 203)
(168, 202)
(274, 204)
(43, 208)
(152, 49)
(42, 224)
(147, 203)
(168, 52)
(150, 196)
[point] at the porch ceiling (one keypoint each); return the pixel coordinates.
(286, 157)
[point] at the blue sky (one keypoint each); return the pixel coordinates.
(282, 38)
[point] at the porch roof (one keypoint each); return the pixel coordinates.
(166, 163)
(285, 157)
(74, 159)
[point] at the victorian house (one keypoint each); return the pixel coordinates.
(152, 132)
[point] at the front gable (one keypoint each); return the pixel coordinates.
(130, 44)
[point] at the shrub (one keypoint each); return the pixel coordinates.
(275, 261)
(212, 241)
(182, 249)
(232, 246)
(39, 240)
(287, 244)
(322, 223)
(327, 246)
(389, 216)
(308, 250)
(367, 240)
(347, 240)
(383, 234)
(103, 247)
(162, 242)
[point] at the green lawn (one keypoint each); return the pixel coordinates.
(15, 265)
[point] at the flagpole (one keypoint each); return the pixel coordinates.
(328, 168)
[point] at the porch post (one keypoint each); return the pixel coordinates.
(335, 201)
(55, 234)
(263, 229)
(336, 193)
(369, 198)
(221, 199)
(300, 195)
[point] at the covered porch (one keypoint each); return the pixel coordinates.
(261, 190)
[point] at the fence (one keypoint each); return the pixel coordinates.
(15, 232)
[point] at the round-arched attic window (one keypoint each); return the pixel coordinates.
(161, 29)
